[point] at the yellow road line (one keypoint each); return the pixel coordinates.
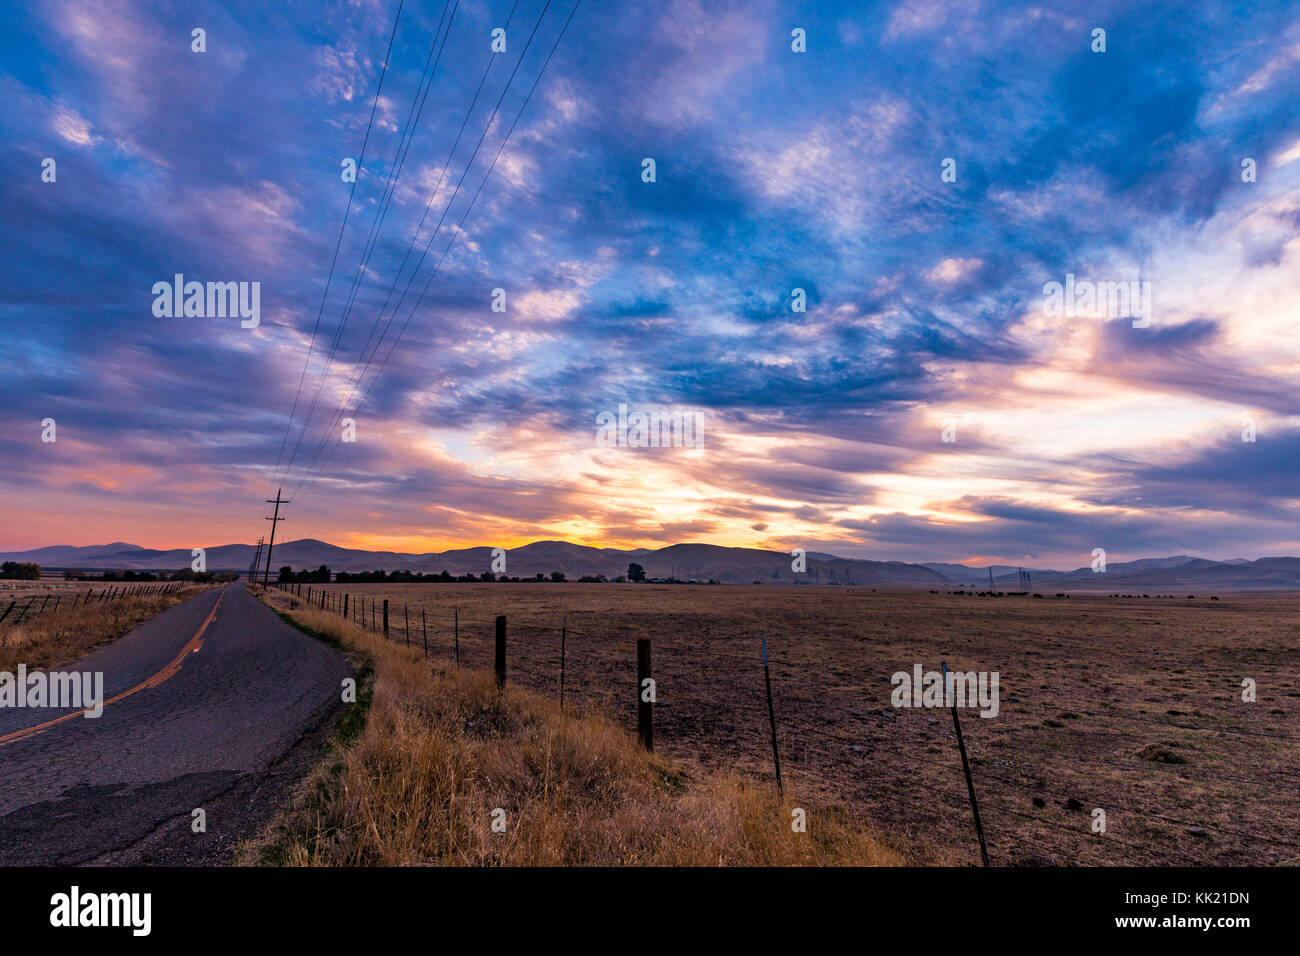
(191, 646)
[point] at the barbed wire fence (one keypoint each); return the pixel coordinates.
(1009, 778)
(15, 611)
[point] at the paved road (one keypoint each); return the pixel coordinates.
(220, 706)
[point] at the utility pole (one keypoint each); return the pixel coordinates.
(257, 561)
(278, 501)
(990, 567)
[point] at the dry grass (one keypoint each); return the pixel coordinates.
(62, 635)
(440, 752)
(1086, 685)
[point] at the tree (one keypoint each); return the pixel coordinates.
(557, 575)
(286, 574)
(635, 572)
(189, 574)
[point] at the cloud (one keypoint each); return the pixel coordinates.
(777, 171)
(954, 270)
(72, 128)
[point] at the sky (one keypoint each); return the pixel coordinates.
(922, 172)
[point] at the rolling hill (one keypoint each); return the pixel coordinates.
(693, 561)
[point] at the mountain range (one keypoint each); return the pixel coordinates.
(700, 562)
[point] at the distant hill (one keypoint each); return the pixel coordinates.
(1177, 571)
(700, 562)
(966, 574)
(697, 562)
(1191, 573)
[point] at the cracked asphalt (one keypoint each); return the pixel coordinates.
(226, 722)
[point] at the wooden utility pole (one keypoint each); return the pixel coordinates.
(278, 501)
(257, 561)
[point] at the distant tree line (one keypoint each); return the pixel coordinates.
(322, 575)
(289, 576)
(20, 571)
(184, 574)
(442, 577)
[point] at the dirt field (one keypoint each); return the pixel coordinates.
(1091, 689)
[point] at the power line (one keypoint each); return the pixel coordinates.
(362, 366)
(360, 374)
(381, 210)
(468, 209)
(339, 242)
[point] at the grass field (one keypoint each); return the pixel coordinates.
(79, 621)
(1092, 688)
(439, 755)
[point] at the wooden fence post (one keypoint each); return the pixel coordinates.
(424, 628)
(501, 650)
(385, 618)
(406, 628)
(771, 718)
(345, 605)
(965, 766)
(22, 613)
(645, 694)
(564, 630)
(457, 612)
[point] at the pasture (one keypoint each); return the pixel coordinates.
(1130, 706)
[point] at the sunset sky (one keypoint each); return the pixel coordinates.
(776, 170)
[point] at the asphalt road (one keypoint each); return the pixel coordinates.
(221, 706)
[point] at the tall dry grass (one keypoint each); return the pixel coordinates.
(439, 752)
(62, 635)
